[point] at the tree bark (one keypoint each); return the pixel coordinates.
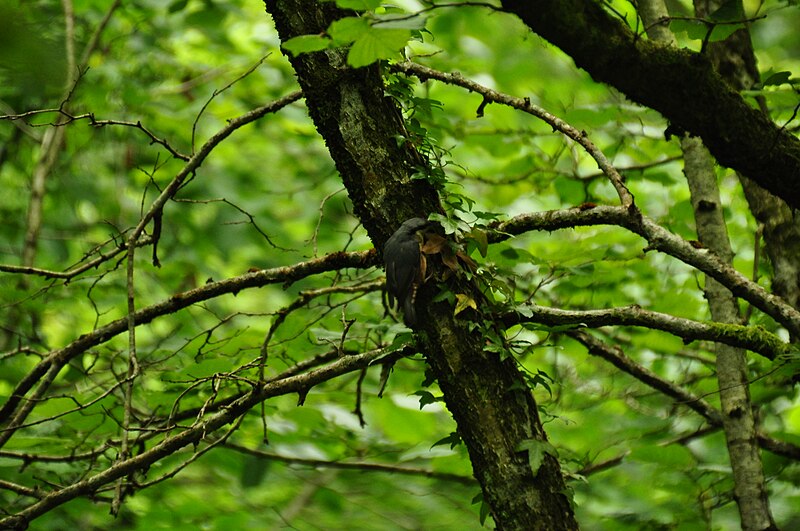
(735, 61)
(737, 415)
(494, 410)
(738, 421)
(681, 85)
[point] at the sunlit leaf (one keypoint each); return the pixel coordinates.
(358, 5)
(377, 44)
(464, 302)
(307, 43)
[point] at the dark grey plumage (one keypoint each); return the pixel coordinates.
(401, 254)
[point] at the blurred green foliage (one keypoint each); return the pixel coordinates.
(161, 64)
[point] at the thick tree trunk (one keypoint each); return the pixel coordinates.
(494, 417)
(681, 85)
(735, 61)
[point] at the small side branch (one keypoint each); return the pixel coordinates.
(660, 239)
(525, 105)
(751, 338)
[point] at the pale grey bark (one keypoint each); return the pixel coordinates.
(737, 415)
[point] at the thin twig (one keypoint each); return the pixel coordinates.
(46, 370)
(294, 384)
(345, 465)
(525, 105)
(75, 271)
(660, 239)
(217, 92)
(755, 339)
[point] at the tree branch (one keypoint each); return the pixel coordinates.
(56, 360)
(300, 383)
(755, 339)
(616, 357)
(77, 270)
(660, 239)
(682, 85)
(370, 467)
(525, 105)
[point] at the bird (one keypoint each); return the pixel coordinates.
(402, 256)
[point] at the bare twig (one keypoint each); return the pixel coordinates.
(660, 239)
(301, 384)
(302, 300)
(197, 455)
(250, 217)
(217, 92)
(133, 372)
(46, 370)
(345, 465)
(197, 159)
(755, 339)
(77, 270)
(69, 458)
(525, 105)
(616, 357)
(20, 489)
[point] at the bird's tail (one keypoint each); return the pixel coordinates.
(409, 307)
(409, 312)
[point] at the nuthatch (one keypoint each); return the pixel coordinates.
(404, 270)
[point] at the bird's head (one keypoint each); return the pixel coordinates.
(410, 226)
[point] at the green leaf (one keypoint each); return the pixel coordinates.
(463, 302)
(694, 29)
(540, 378)
(307, 43)
(454, 439)
(460, 202)
(426, 397)
(536, 451)
(346, 30)
(377, 44)
(401, 340)
(358, 5)
(730, 11)
(177, 5)
(484, 511)
(723, 31)
(702, 31)
(491, 216)
(775, 78)
(448, 224)
(510, 253)
(426, 105)
(481, 240)
(720, 27)
(525, 311)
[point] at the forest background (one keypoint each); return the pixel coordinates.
(193, 328)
